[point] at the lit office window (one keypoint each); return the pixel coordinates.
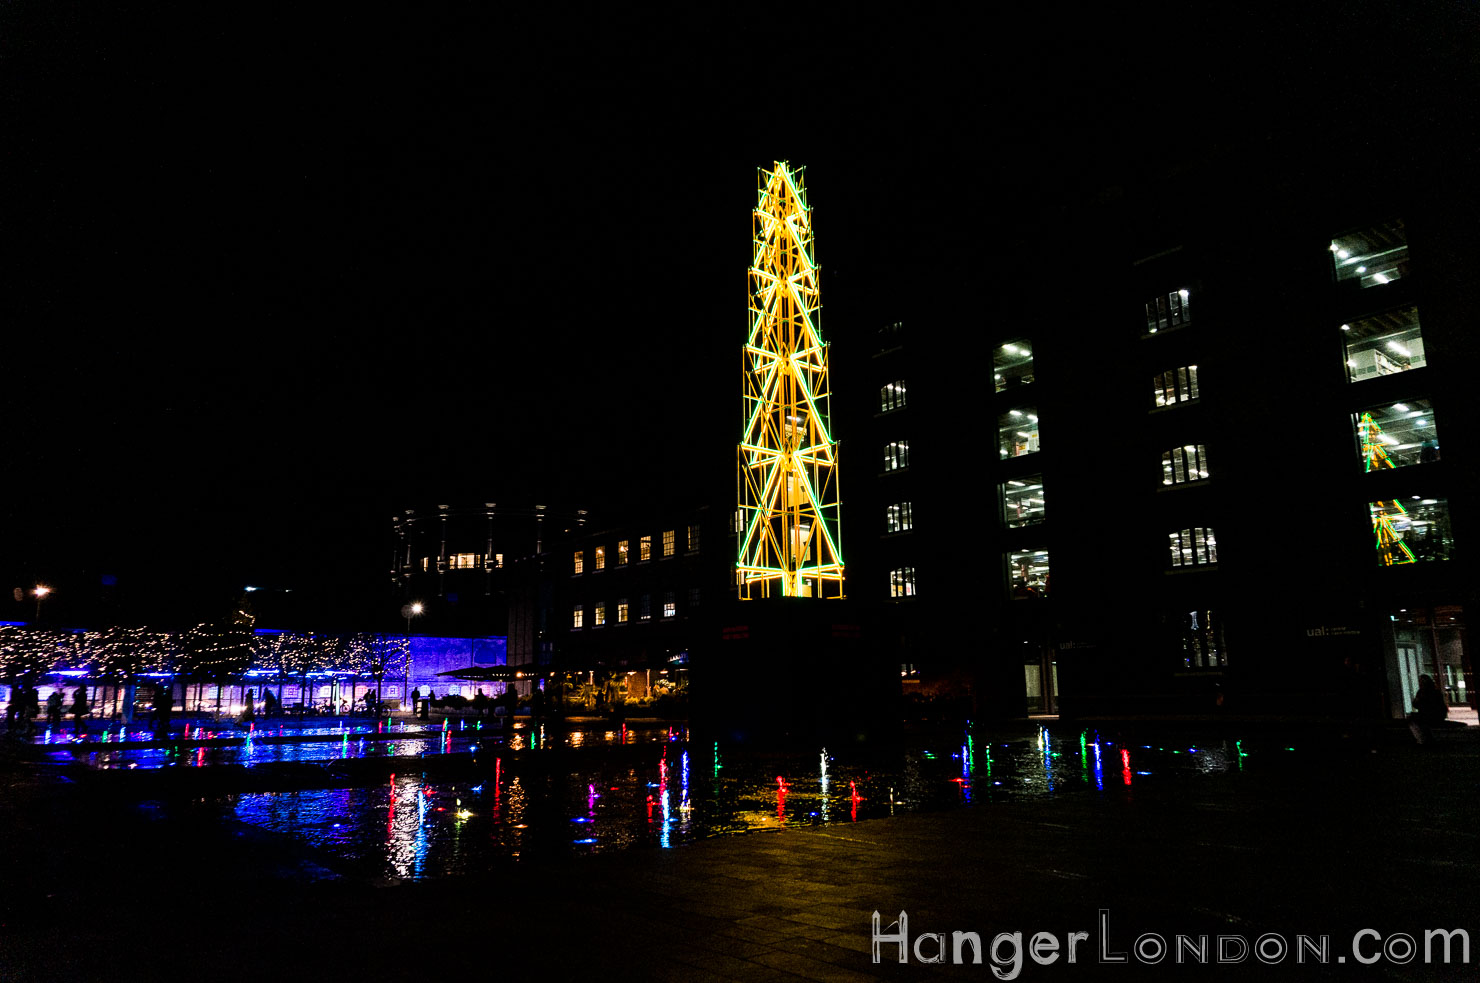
(1397, 435)
(580, 561)
(694, 538)
(463, 561)
(1175, 386)
(1167, 311)
(600, 614)
(902, 582)
(622, 553)
(598, 554)
(1383, 344)
(1201, 634)
(899, 517)
(669, 607)
(622, 611)
(1372, 257)
(1012, 365)
(896, 455)
(1027, 571)
(645, 549)
(498, 561)
(577, 617)
(1017, 432)
(645, 608)
(1183, 464)
(1196, 547)
(426, 564)
(1416, 530)
(891, 397)
(668, 541)
(1022, 501)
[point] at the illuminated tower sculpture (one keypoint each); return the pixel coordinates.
(1390, 547)
(790, 539)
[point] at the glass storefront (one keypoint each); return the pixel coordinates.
(1430, 641)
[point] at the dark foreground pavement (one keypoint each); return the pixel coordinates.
(1321, 844)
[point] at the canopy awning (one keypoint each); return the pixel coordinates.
(504, 674)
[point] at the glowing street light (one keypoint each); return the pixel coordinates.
(41, 591)
(409, 611)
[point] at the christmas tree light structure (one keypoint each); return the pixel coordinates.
(789, 529)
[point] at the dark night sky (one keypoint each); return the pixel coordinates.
(273, 273)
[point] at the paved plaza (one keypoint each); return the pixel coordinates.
(1322, 842)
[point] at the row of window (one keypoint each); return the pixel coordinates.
(1416, 532)
(1413, 532)
(1370, 258)
(1391, 435)
(1378, 345)
(461, 561)
(622, 612)
(622, 555)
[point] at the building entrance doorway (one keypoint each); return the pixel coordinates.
(1041, 684)
(1431, 641)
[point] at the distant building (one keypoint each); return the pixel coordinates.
(642, 597)
(476, 571)
(1226, 460)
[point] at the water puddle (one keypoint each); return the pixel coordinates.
(518, 804)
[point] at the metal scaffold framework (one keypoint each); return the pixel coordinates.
(788, 517)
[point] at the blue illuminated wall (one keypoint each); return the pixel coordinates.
(431, 655)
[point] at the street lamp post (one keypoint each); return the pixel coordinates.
(409, 611)
(41, 591)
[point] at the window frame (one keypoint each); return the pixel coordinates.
(897, 455)
(1176, 386)
(892, 396)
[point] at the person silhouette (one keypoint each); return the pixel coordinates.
(79, 707)
(1429, 709)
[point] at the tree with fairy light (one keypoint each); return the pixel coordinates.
(120, 655)
(26, 653)
(217, 652)
(384, 655)
(288, 656)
